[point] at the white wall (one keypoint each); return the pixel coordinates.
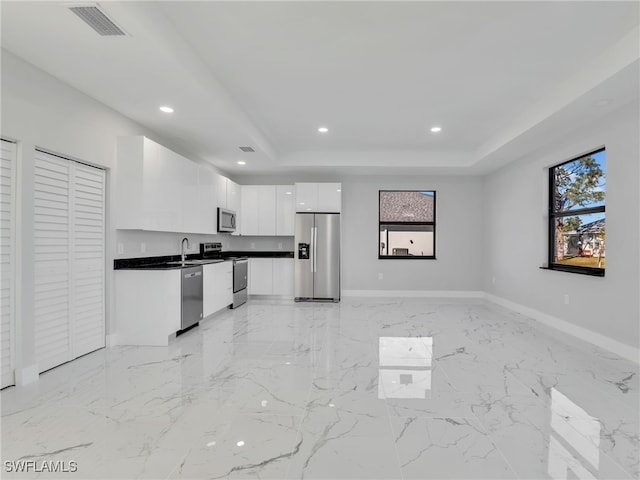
(40, 111)
(459, 223)
(243, 243)
(516, 233)
(140, 243)
(459, 232)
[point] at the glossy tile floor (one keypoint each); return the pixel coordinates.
(368, 388)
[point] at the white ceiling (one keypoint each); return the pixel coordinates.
(501, 78)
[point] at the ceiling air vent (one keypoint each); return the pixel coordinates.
(96, 19)
(247, 149)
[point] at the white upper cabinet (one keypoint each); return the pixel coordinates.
(191, 207)
(233, 203)
(148, 186)
(258, 211)
(158, 189)
(319, 197)
(249, 209)
(306, 197)
(221, 191)
(207, 198)
(330, 197)
(285, 209)
(267, 210)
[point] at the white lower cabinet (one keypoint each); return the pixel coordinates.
(217, 284)
(148, 306)
(271, 276)
(261, 276)
(283, 276)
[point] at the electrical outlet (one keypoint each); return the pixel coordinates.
(143, 247)
(253, 245)
(279, 245)
(565, 298)
(120, 248)
(380, 276)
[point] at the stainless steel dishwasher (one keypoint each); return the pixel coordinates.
(191, 296)
(240, 280)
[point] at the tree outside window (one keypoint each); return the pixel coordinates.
(577, 233)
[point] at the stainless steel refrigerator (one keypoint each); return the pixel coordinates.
(317, 256)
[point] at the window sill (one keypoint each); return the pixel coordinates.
(592, 272)
(406, 257)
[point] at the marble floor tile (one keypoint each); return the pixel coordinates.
(447, 447)
(367, 388)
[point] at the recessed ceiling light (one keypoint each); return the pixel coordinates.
(240, 443)
(323, 129)
(288, 193)
(166, 109)
(242, 162)
(436, 129)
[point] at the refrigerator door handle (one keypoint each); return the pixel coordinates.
(315, 249)
(312, 252)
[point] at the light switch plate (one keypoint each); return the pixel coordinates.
(120, 248)
(143, 247)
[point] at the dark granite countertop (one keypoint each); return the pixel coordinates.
(259, 253)
(168, 262)
(172, 262)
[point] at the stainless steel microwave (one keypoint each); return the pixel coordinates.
(226, 220)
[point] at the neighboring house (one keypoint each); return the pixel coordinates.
(586, 240)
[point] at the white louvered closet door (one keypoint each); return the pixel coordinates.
(88, 274)
(7, 266)
(69, 259)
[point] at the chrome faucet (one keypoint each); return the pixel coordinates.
(182, 248)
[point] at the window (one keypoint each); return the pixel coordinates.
(577, 215)
(407, 224)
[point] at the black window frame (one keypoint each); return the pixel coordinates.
(431, 224)
(553, 214)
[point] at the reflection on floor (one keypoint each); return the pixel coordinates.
(367, 388)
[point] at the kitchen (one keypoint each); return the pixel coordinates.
(255, 380)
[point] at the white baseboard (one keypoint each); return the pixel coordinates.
(111, 340)
(625, 351)
(414, 293)
(27, 375)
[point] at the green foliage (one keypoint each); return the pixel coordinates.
(571, 224)
(577, 183)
